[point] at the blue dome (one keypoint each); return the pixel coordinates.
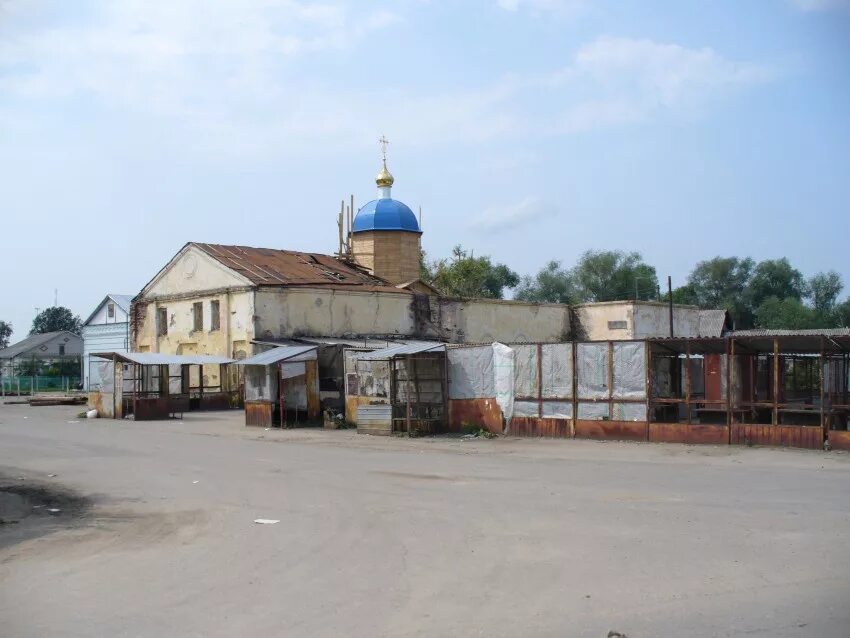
(385, 214)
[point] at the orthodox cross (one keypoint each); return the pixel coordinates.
(383, 141)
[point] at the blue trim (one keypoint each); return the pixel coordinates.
(385, 214)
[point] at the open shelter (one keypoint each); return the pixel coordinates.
(154, 385)
(282, 386)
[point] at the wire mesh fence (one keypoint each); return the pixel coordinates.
(19, 385)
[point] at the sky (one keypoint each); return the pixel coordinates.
(527, 130)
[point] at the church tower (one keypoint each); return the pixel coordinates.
(385, 235)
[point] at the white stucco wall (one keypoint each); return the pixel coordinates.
(488, 320)
(643, 320)
(282, 312)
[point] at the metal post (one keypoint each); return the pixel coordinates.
(648, 386)
(775, 381)
(688, 382)
(539, 381)
(730, 353)
(610, 380)
(407, 391)
(823, 422)
(670, 301)
(575, 390)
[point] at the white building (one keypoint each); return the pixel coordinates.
(106, 330)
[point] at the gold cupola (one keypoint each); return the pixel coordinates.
(384, 179)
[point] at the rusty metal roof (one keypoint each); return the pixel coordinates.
(273, 267)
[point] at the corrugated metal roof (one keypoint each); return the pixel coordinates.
(272, 267)
(33, 341)
(161, 358)
(769, 332)
(402, 350)
(712, 323)
(282, 353)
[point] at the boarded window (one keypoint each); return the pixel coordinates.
(617, 325)
(110, 310)
(198, 316)
(162, 321)
(215, 315)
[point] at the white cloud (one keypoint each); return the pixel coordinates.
(237, 76)
(625, 80)
(507, 217)
(820, 5)
(563, 7)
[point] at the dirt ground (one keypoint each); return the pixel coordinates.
(424, 537)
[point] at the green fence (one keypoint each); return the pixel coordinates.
(33, 385)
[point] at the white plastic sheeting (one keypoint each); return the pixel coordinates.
(557, 410)
(557, 371)
(471, 373)
(525, 372)
(260, 383)
(593, 411)
(592, 364)
(503, 377)
(526, 408)
(629, 370)
(483, 372)
(629, 412)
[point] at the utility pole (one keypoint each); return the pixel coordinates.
(670, 301)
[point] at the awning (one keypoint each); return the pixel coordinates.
(161, 358)
(283, 353)
(401, 351)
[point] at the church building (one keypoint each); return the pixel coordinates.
(222, 299)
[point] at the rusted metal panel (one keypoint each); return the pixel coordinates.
(614, 430)
(536, 427)
(151, 409)
(269, 267)
(259, 413)
(692, 434)
(481, 412)
(215, 401)
(839, 440)
(713, 377)
(314, 400)
(802, 436)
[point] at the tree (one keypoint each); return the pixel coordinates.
(787, 313)
(612, 275)
(722, 282)
(465, 275)
(552, 284)
(5, 333)
(841, 314)
(823, 289)
(775, 278)
(56, 318)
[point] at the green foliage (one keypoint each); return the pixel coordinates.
(476, 430)
(788, 313)
(775, 278)
(467, 276)
(607, 275)
(768, 294)
(56, 318)
(823, 290)
(5, 333)
(598, 276)
(553, 284)
(721, 282)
